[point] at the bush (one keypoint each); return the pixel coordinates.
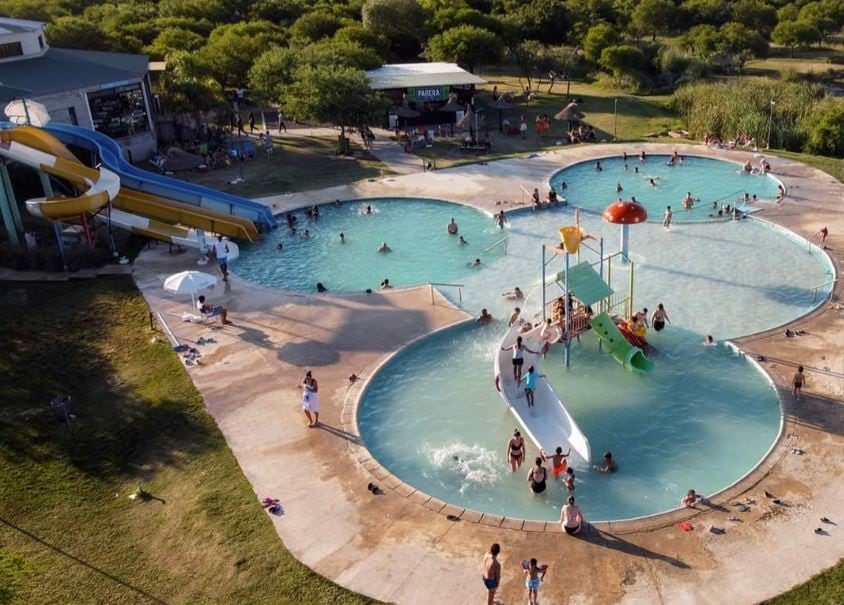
(826, 129)
(733, 107)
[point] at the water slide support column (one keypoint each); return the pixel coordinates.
(568, 315)
(8, 219)
(602, 302)
(630, 294)
(47, 186)
(543, 284)
(10, 195)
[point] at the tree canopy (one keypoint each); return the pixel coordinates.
(466, 45)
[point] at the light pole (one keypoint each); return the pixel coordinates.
(770, 121)
(615, 122)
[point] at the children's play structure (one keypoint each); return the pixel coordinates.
(115, 193)
(579, 298)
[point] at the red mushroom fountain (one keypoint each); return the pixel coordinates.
(625, 213)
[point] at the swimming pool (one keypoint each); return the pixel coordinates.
(702, 419)
(706, 179)
(414, 229)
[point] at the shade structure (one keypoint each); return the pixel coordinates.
(452, 106)
(406, 112)
(24, 111)
(570, 112)
(502, 104)
(189, 282)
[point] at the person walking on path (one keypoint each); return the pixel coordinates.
(310, 399)
(491, 573)
(797, 383)
(281, 124)
(221, 251)
(251, 122)
(534, 576)
(239, 123)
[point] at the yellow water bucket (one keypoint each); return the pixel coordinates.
(571, 237)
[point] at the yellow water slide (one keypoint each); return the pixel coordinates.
(35, 148)
(170, 218)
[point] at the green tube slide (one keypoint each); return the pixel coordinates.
(632, 358)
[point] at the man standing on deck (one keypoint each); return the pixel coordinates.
(221, 251)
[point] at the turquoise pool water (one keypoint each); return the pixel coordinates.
(415, 230)
(701, 420)
(704, 178)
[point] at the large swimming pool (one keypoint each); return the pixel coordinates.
(701, 420)
(707, 180)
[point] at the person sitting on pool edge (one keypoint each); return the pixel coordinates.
(571, 519)
(609, 464)
(385, 285)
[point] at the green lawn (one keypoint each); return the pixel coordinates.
(68, 531)
(637, 118)
(826, 588)
(299, 163)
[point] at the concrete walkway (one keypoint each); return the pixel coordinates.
(400, 546)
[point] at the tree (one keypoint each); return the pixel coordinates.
(622, 59)
(467, 45)
(358, 34)
(232, 48)
(654, 17)
(315, 25)
(173, 39)
(740, 43)
(597, 39)
(756, 15)
(187, 84)
(826, 131)
(272, 73)
(826, 17)
(707, 12)
(335, 95)
(792, 34)
(394, 19)
(702, 40)
(277, 11)
(77, 32)
(215, 11)
(544, 20)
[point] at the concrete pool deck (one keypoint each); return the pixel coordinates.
(400, 546)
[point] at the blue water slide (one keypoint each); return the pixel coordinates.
(111, 155)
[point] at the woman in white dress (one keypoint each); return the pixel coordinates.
(310, 399)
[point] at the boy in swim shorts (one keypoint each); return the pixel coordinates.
(559, 462)
(491, 570)
(534, 575)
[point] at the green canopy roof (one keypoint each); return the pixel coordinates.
(585, 284)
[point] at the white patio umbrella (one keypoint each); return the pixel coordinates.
(189, 282)
(24, 111)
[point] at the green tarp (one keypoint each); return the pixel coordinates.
(585, 284)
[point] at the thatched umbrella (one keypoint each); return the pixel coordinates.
(452, 106)
(502, 104)
(571, 113)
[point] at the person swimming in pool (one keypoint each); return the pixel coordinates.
(342, 238)
(500, 219)
(474, 263)
(279, 246)
(384, 248)
(515, 316)
(618, 188)
(462, 241)
(452, 227)
(559, 461)
(598, 167)
(306, 234)
(709, 341)
(484, 318)
(515, 294)
(642, 156)
(609, 464)
(385, 285)
(666, 218)
(369, 209)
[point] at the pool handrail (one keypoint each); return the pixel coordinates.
(503, 240)
(438, 284)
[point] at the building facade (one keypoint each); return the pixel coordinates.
(107, 92)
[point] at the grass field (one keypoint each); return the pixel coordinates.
(68, 531)
(299, 163)
(826, 588)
